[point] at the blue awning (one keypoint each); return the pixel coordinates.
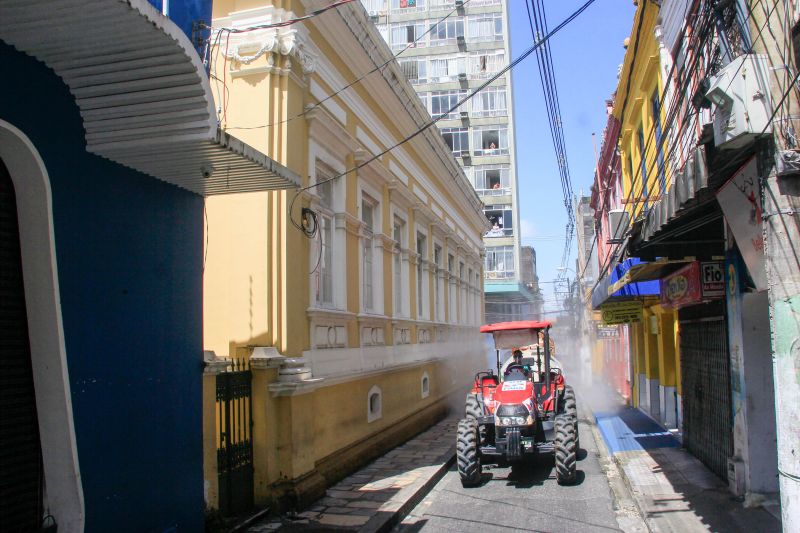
(615, 282)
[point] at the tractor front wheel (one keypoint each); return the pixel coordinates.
(565, 450)
(473, 406)
(467, 455)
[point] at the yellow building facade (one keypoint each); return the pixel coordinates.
(357, 298)
(638, 105)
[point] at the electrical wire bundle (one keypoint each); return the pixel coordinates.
(544, 59)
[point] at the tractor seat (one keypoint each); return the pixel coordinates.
(516, 375)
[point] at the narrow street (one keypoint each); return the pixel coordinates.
(522, 498)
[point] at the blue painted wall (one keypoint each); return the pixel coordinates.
(185, 12)
(129, 251)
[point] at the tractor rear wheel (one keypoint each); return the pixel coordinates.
(467, 455)
(571, 410)
(473, 407)
(565, 450)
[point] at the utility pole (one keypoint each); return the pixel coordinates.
(781, 227)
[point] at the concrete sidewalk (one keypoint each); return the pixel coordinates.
(674, 491)
(376, 497)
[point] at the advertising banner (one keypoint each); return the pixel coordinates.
(740, 200)
(682, 287)
(712, 278)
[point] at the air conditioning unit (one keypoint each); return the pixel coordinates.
(464, 114)
(459, 3)
(460, 40)
(741, 101)
(618, 221)
(462, 76)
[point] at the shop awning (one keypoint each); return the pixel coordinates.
(142, 91)
(618, 285)
(685, 187)
(647, 272)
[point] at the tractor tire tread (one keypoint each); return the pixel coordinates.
(473, 407)
(467, 455)
(565, 450)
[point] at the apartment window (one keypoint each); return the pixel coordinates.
(398, 234)
(643, 157)
(656, 108)
(437, 292)
(415, 70)
(457, 139)
(374, 6)
(367, 217)
(446, 68)
(443, 101)
(422, 248)
(490, 140)
(491, 179)
(447, 31)
(406, 33)
(501, 219)
(486, 27)
(486, 63)
(323, 279)
(490, 102)
(408, 5)
(499, 262)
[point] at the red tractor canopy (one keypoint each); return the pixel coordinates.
(509, 335)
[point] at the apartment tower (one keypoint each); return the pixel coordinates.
(446, 59)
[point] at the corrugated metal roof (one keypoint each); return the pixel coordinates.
(142, 91)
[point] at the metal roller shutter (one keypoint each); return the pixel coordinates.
(706, 384)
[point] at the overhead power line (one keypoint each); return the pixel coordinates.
(433, 121)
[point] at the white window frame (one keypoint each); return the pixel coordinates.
(419, 6)
(499, 262)
(478, 139)
(445, 100)
(400, 266)
(423, 310)
(371, 264)
(486, 63)
(400, 38)
(445, 68)
(325, 166)
(438, 282)
(451, 291)
(488, 23)
(490, 102)
(484, 187)
(459, 143)
(421, 69)
(452, 28)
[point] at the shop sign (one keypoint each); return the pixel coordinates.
(682, 287)
(740, 200)
(621, 312)
(607, 332)
(712, 276)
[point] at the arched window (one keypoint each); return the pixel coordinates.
(374, 404)
(426, 385)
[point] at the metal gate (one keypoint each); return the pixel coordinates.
(21, 477)
(705, 371)
(234, 444)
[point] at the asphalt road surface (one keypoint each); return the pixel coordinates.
(521, 498)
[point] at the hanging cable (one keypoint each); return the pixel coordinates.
(433, 121)
(308, 109)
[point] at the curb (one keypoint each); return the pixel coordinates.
(383, 524)
(620, 500)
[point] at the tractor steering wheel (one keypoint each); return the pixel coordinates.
(516, 366)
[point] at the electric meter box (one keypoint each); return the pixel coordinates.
(741, 98)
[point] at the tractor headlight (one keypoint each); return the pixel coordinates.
(513, 420)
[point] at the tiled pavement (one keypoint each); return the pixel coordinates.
(375, 497)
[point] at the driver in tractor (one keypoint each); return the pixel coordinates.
(515, 368)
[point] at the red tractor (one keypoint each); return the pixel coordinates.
(522, 411)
